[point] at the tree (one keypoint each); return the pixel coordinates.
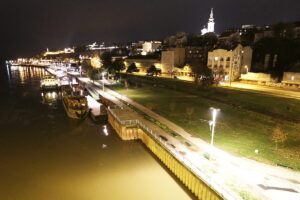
(126, 84)
(207, 78)
(190, 112)
(278, 136)
(93, 74)
(79, 50)
(132, 68)
(106, 60)
(209, 39)
(283, 53)
(152, 70)
(118, 65)
(247, 38)
(86, 65)
(284, 30)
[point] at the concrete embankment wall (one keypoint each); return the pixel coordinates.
(130, 132)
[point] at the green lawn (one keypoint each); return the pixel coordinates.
(281, 108)
(239, 131)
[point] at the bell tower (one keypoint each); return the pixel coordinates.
(211, 22)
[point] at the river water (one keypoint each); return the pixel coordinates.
(44, 155)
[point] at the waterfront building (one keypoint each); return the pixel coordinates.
(230, 64)
(172, 58)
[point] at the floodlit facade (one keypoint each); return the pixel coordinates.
(65, 51)
(142, 64)
(230, 64)
(262, 78)
(291, 78)
(210, 25)
(150, 47)
(172, 58)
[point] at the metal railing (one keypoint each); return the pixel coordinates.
(223, 192)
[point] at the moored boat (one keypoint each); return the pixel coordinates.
(50, 82)
(75, 103)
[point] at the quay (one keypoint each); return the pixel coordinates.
(131, 126)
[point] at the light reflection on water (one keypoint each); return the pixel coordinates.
(45, 155)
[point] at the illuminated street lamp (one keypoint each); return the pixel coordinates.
(246, 68)
(212, 123)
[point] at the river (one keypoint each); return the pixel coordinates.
(44, 155)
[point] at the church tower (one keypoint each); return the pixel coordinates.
(211, 22)
(210, 25)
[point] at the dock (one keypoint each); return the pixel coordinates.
(97, 110)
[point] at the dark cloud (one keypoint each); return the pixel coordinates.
(30, 26)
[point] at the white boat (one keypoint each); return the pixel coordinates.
(50, 82)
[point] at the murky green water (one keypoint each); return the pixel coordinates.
(44, 155)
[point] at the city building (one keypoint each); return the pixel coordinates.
(172, 58)
(230, 64)
(267, 33)
(257, 78)
(59, 52)
(210, 25)
(135, 48)
(194, 54)
(102, 46)
(150, 47)
(291, 79)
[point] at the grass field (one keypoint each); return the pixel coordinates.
(281, 108)
(238, 130)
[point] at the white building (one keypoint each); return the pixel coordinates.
(230, 64)
(210, 25)
(150, 47)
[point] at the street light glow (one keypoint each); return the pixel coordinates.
(214, 112)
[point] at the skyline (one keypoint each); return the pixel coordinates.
(35, 25)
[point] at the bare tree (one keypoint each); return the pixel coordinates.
(172, 107)
(278, 136)
(190, 111)
(126, 84)
(150, 106)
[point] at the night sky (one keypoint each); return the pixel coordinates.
(28, 27)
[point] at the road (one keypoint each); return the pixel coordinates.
(279, 92)
(274, 91)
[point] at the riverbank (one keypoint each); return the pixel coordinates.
(46, 155)
(238, 131)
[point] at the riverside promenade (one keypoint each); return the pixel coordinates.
(244, 176)
(176, 152)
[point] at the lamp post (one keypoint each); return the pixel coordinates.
(212, 123)
(103, 81)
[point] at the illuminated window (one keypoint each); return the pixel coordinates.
(292, 78)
